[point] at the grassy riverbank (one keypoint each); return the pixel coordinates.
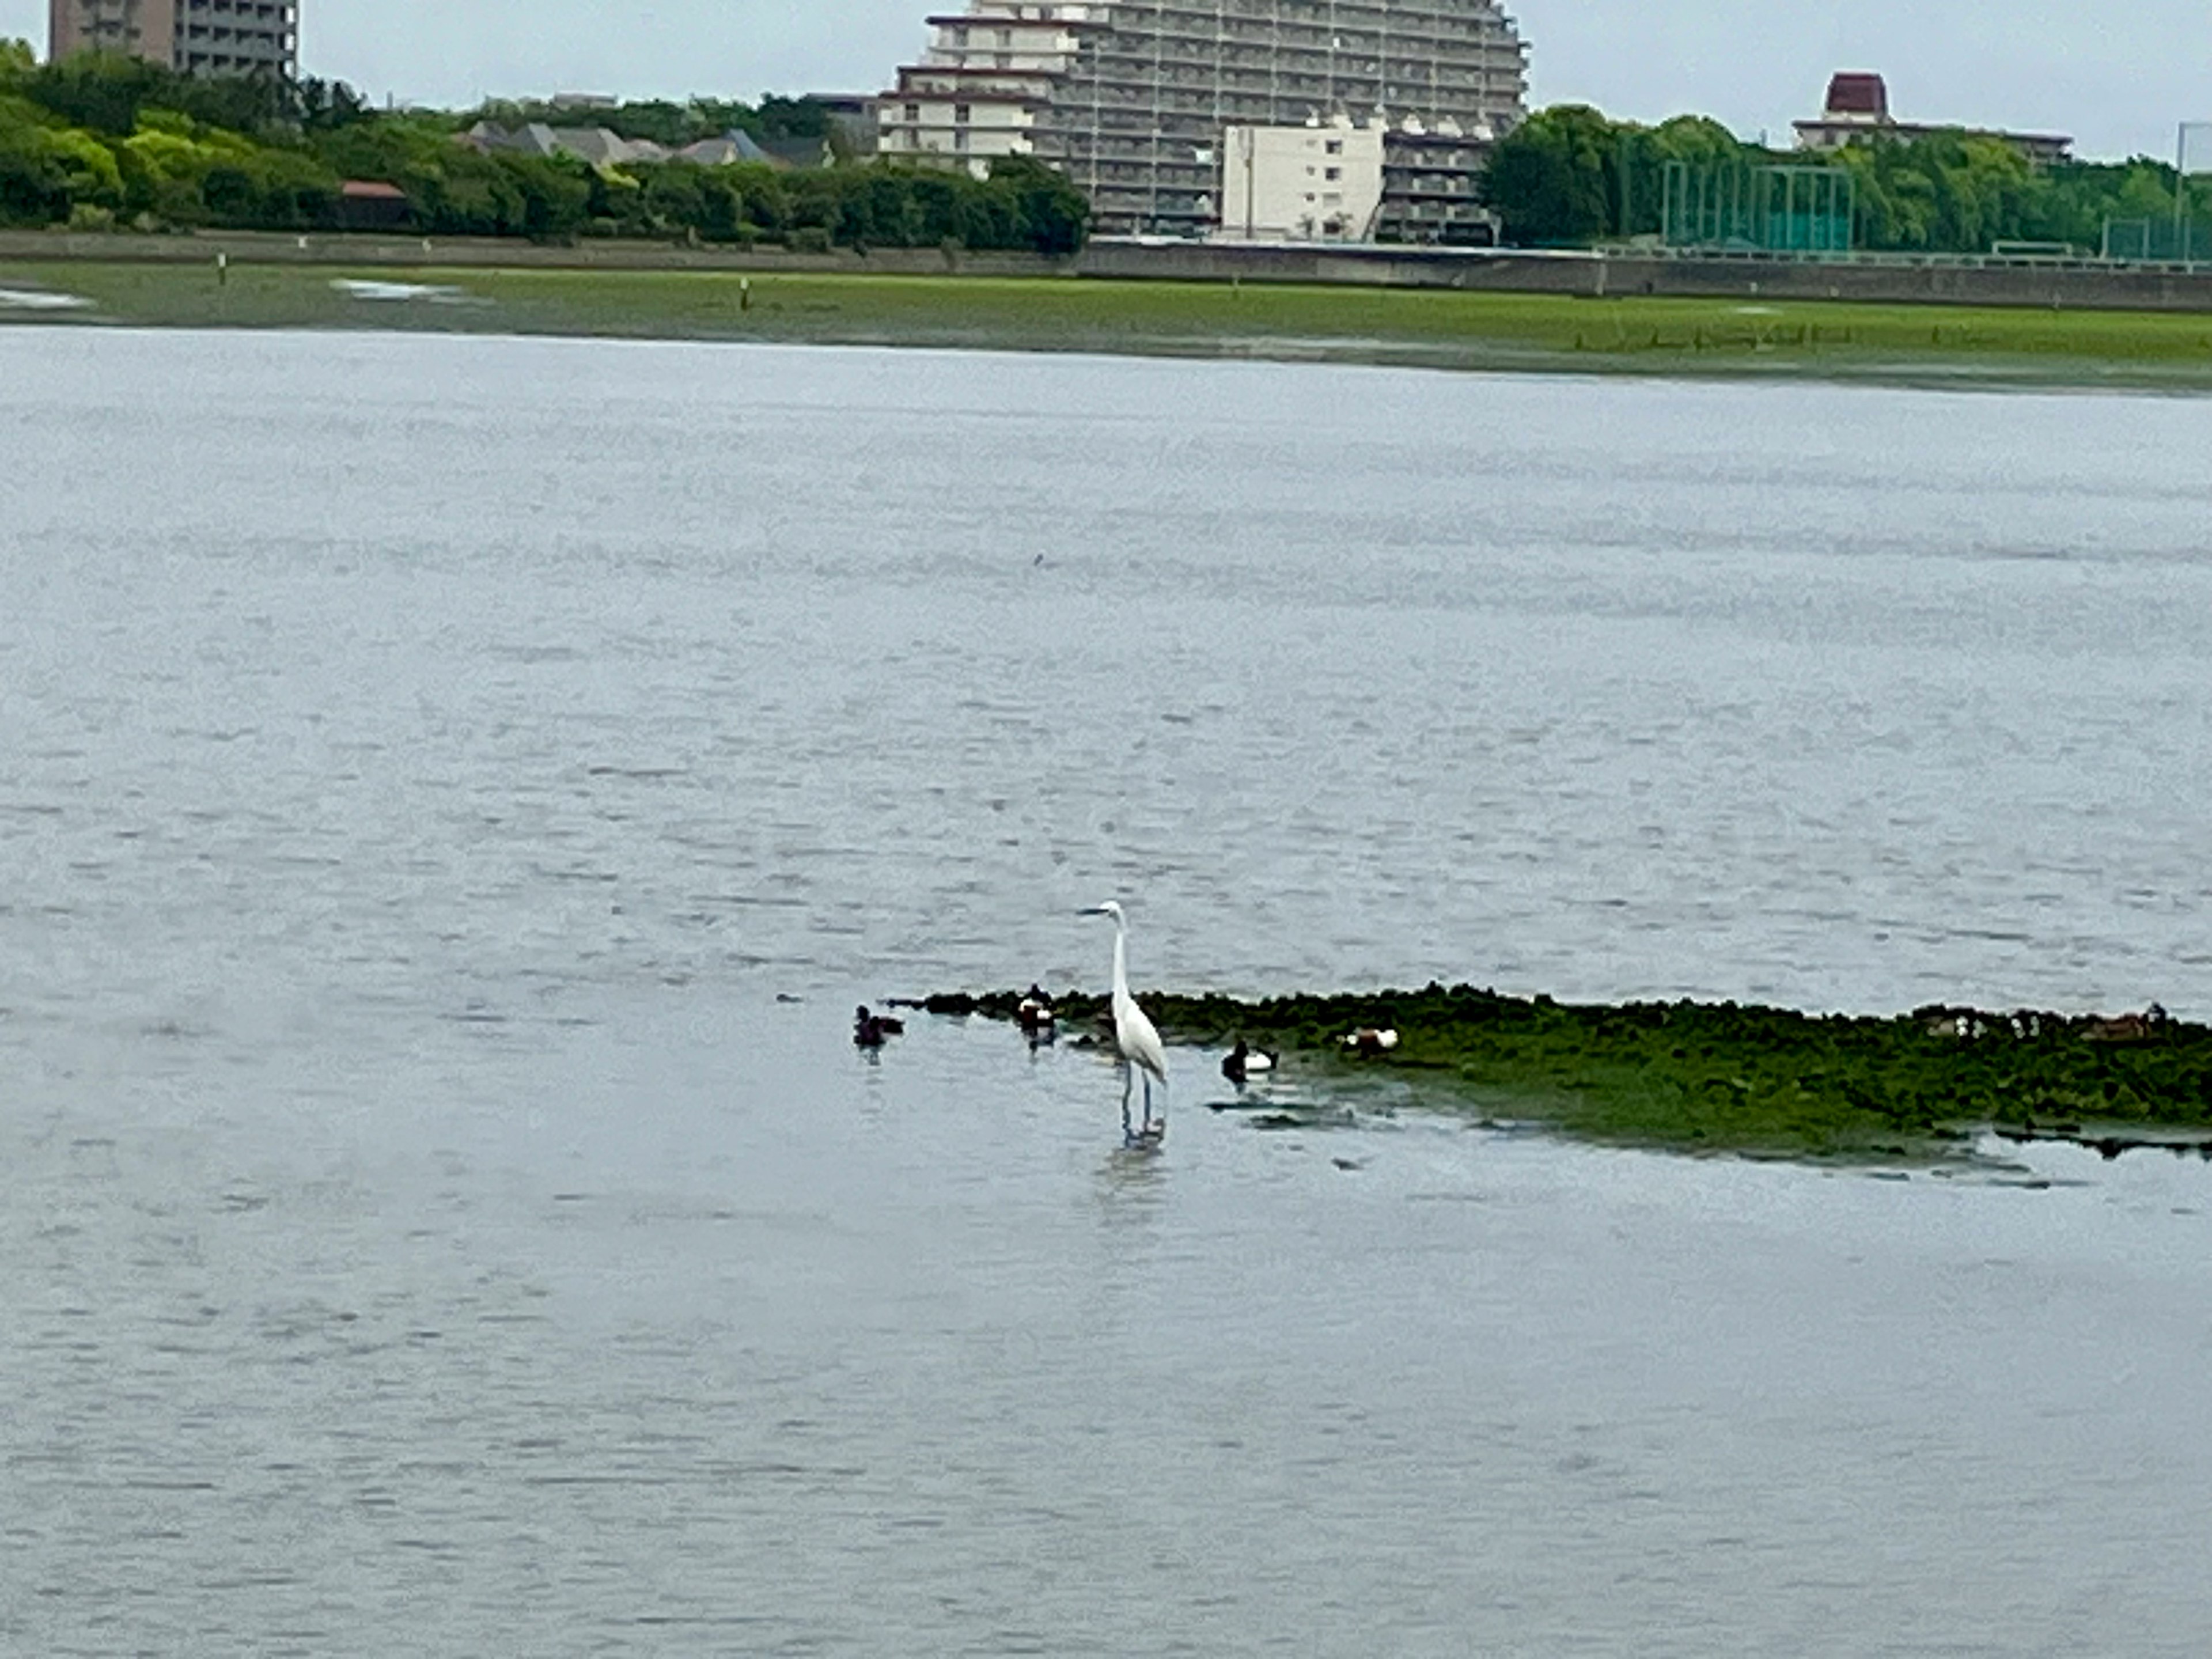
(1699, 1077)
(1423, 327)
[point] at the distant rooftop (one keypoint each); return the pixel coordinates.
(1858, 109)
(1863, 95)
(602, 148)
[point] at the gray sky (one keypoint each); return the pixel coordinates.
(2119, 74)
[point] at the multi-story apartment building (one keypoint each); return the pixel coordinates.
(1131, 98)
(198, 37)
(1432, 186)
(986, 80)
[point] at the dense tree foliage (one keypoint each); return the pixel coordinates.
(1956, 192)
(106, 93)
(672, 123)
(99, 140)
(1569, 176)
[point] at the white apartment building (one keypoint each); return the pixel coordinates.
(983, 85)
(1130, 99)
(1315, 184)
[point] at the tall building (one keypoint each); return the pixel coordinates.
(197, 37)
(1131, 98)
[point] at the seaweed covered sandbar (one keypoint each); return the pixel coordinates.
(1725, 1077)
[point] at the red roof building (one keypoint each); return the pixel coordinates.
(1865, 96)
(1858, 110)
(370, 204)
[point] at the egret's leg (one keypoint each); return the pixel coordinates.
(1128, 1081)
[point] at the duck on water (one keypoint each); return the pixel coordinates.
(1036, 1016)
(1245, 1062)
(872, 1030)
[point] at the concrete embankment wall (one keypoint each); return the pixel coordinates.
(2077, 286)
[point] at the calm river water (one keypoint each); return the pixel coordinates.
(427, 767)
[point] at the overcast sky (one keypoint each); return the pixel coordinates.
(2117, 74)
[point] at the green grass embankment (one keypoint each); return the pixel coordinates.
(1426, 327)
(1706, 1078)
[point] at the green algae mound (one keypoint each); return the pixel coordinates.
(1723, 1076)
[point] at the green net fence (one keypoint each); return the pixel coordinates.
(1760, 209)
(2160, 241)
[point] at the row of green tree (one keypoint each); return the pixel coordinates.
(455, 190)
(98, 141)
(1569, 176)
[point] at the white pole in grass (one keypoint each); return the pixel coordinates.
(2181, 193)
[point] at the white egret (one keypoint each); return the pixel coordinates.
(1135, 1038)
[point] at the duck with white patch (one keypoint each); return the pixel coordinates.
(1244, 1062)
(1036, 1016)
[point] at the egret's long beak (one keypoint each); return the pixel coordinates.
(1095, 910)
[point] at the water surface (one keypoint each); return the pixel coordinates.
(428, 762)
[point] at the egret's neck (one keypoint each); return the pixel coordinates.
(1121, 961)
